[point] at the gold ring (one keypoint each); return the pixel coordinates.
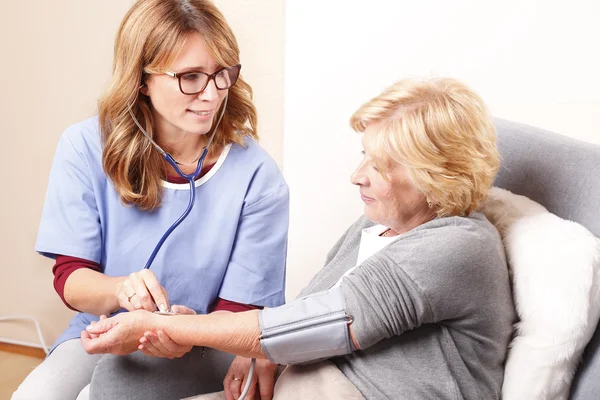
(235, 378)
(129, 298)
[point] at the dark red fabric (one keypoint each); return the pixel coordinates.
(65, 266)
(226, 305)
(179, 179)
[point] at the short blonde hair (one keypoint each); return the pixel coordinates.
(442, 132)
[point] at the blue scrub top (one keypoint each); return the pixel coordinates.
(232, 245)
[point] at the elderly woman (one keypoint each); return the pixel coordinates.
(414, 300)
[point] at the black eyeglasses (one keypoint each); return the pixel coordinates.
(195, 82)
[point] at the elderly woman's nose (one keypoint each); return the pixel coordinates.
(358, 177)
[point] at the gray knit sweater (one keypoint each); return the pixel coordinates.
(433, 311)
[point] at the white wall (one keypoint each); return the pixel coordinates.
(532, 61)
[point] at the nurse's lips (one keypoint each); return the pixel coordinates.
(366, 199)
(202, 113)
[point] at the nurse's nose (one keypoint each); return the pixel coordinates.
(210, 92)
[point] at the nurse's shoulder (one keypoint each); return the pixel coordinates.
(251, 163)
(85, 139)
(255, 158)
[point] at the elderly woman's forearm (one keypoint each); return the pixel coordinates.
(236, 333)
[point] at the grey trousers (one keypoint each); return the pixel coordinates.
(137, 376)
(61, 376)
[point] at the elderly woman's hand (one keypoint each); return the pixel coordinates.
(159, 344)
(119, 334)
(264, 378)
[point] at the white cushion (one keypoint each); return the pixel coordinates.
(555, 272)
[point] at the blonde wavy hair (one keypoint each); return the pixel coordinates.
(148, 41)
(442, 132)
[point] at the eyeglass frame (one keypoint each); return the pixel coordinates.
(212, 77)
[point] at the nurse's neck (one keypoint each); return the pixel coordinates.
(183, 146)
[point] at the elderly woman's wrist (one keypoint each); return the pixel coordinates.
(182, 329)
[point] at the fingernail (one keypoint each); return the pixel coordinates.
(88, 328)
(162, 307)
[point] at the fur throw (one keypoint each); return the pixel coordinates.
(555, 271)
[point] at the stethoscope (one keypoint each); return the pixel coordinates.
(191, 179)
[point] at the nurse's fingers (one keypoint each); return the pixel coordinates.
(143, 296)
(144, 351)
(165, 301)
(158, 293)
(160, 345)
(170, 347)
(148, 347)
(94, 335)
(124, 292)
(86, 340)
(154, 340)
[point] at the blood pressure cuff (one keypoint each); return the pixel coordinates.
(310, 328)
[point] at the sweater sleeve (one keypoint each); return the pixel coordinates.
(438, 276)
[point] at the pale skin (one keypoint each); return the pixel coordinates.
(391, 201)
(182, 132)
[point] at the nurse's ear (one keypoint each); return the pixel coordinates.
(143, 89)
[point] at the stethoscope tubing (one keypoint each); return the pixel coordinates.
(191, 179)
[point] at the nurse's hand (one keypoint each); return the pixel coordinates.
(102, 318)
(142, 291)
(159, 344)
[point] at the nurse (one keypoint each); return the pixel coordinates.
(111, 196)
